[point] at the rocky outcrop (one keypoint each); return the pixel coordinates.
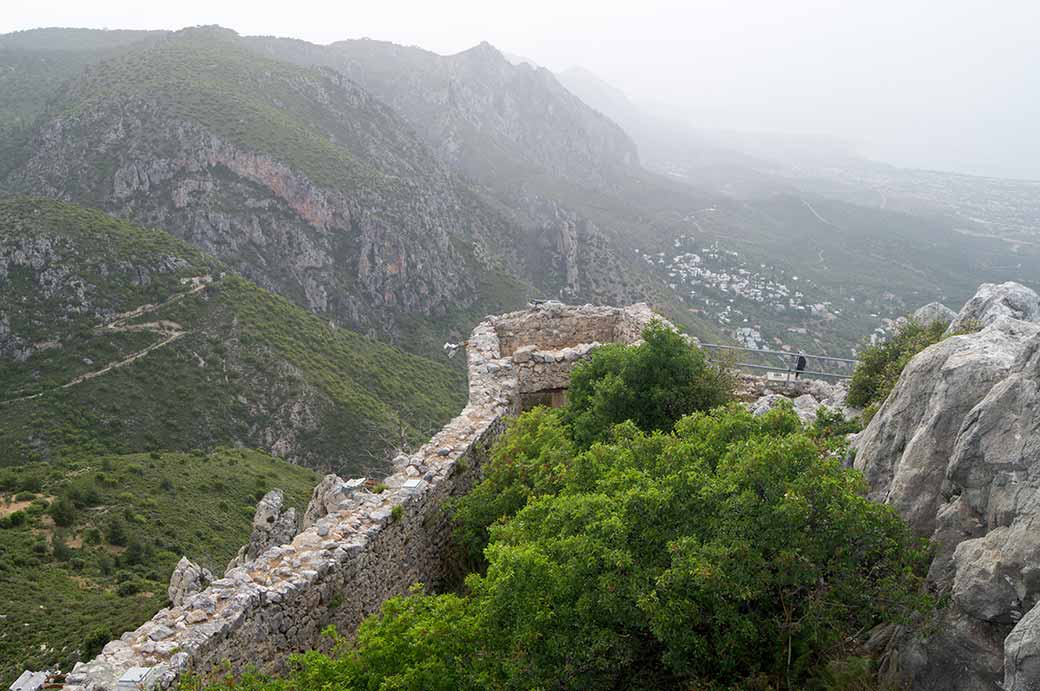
(806, 396)
(188, 579)
(481, 114)
(267, 219)
(329, 496)
(1022, 654)
(997, 302)
(934, 312)
(955, 449)
(273, 526)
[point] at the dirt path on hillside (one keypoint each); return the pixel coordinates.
(170, 331)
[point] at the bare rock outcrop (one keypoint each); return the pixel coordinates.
(328, 496)
(273, 526)
(1022, 654)
(996, 302)
(806, 396)
(188, 578)
(934, 312)
(955, 449)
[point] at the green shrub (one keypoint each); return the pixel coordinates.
(530, 459)
(59, 549)
(95, 641)
(63, 511)
(880, 365)
(127, 588)
(13, 519)
(116, 533)
(652, 384)
(730, 553)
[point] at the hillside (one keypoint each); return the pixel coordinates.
(404, 194)
(481, 114)
(231, 364)
(87, 546)
(35, 64)
(305, 183)
(565, 176)
(294, 177)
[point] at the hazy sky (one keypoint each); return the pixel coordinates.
(948, 84)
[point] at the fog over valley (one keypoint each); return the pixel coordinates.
(946, 87)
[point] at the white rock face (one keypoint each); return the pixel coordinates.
(996, 302)
(934, 312)
(187, 579)
(955, 449)
(272, 526)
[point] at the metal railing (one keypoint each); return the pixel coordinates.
(788, 366)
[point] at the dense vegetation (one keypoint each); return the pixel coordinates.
(718, 550)
(105, 483)
(248, 362)
(653, 385)
(881, 364)
(87, 546)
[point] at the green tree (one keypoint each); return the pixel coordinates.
(730, 552)
(116, 533)
(530, 459)
(653, 384)
(62, 511)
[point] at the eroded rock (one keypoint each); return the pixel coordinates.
(955, 449)
(188, 578)
(273, 525)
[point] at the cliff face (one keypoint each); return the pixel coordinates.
(385, 188)
(955, 449)
(528, 147)
(480, 113)
(295, 177)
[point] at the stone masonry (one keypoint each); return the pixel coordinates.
(365, 547)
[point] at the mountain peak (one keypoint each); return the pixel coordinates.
(484, 51)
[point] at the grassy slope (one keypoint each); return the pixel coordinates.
(53, 603)
(247, 357)
(124, 446)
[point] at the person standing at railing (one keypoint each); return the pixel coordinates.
(800, 365)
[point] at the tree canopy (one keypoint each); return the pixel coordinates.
(716, 549)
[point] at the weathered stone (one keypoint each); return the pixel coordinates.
(1022, 654)
(272, 526)
(328, 496)
(956, 450)
(934, 312)
(997, 302)
(187, 579)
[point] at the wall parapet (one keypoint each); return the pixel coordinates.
(365, 547)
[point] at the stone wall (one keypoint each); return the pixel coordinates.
(365, 547)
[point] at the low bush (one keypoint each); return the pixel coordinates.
(881, 364)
